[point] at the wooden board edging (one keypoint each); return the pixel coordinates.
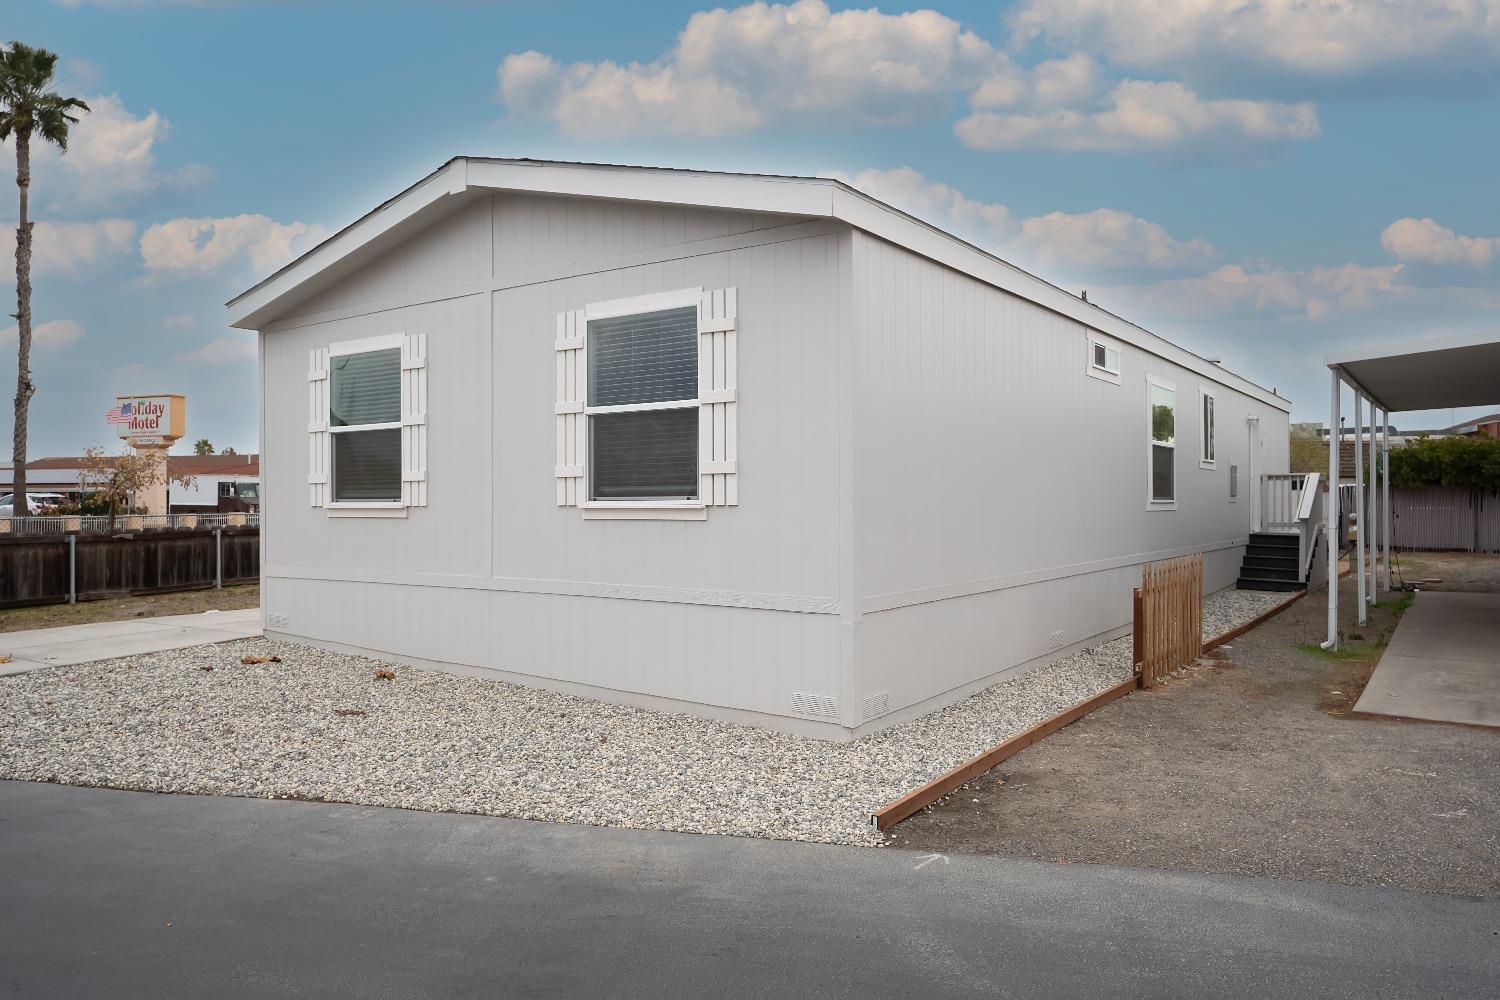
(888, 816)
(924, 795)
(1264, 616)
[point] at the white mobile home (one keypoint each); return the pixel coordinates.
(759, 448)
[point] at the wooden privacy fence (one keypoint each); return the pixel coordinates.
(1168, 622)
(54, 569)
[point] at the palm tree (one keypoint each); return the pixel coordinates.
(28, 105)
(203, 446)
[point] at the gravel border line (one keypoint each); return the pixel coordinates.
(318, 725)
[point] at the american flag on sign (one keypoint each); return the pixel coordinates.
(119, 414)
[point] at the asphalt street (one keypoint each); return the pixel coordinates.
(124, 894)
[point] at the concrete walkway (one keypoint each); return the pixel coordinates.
(1443, 663)
(70, 644)
(122, 895)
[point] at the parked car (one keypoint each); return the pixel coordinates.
(38, 501)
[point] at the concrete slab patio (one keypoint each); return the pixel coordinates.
(1443, 663)
(70, 644)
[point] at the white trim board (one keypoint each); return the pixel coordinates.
(814, 197)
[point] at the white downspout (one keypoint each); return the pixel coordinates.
(1385, 505)
(1371, 593)
(1331, 513)
(1359, 506)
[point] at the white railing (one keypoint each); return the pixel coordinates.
(1292, 504)
(1280, 500)
(96, 524)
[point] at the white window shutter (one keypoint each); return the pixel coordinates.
(414, 419)
(572, 389)
(718, 386)
(317, 426)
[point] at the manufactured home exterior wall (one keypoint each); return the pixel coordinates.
(1001, 492)
(733, 613)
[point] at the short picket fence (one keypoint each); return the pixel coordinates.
(1168, 622)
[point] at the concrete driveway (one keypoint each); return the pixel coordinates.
(67, 645)
(125, 894)
(1443, 663)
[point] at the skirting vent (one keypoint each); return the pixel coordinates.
(824, 706)
(876, 704)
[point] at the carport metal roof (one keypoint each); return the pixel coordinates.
(1429, 374)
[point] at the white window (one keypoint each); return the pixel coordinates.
(1207, 429)
(1104, 358)
(642, 406)
(646, 421)
(1161, 418)
(368, 425)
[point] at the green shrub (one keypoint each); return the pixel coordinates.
(1471, 463)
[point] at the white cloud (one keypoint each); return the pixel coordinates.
(1107, 239)
(1135, 116)
(1424, 241)
(177, 321)
(52, 335)
(207, 246)
(735, 71)
(1310, 39)
(987, 224)
(70, 248)
(732, 71)
(223, 351)
(1093, 242)
(1317, 294)
(111, 155)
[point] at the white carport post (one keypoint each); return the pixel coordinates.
(1373, 506)
(1385, 504)
(1331, 512)
(1359, 505)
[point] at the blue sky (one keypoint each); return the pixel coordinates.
(1259, 180)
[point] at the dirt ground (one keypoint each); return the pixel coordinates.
(1448, 570)
(1253, 765)
(185, 602)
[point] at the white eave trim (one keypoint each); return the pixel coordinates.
(812, 197)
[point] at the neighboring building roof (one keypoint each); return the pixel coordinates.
(1470, 426)
(462, 179)
(192, 465)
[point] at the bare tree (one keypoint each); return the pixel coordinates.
(116, 478)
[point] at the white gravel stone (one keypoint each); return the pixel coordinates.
(437, 741)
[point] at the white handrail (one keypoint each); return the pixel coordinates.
(1309, 495)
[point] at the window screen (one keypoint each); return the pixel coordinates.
(645, 454)
(367, 465)
(638, 449)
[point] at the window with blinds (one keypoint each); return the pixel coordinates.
(642, 406)
(364, 418)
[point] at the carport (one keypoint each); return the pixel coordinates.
(1444, 660)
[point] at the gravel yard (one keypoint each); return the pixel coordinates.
(319, 725)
